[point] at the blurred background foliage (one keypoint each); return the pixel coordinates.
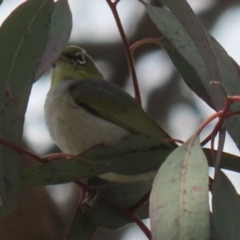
(165, 97)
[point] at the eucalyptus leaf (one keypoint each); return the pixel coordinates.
(23, 36)
(75, 169)
(83, 227)
(213, 235)
(183, 12)
(229, 161)
(179, 206)
(59, 33)
(125, 195)
(183, 51)
(226, 208)
(131, 156)
(107, 216)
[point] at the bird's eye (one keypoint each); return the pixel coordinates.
(80, 58)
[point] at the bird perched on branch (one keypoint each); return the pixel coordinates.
(83, 110)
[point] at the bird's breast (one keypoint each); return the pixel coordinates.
(73, 128)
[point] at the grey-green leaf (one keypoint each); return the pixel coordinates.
(188, 19)
(181, 42)
(59, 33)
(226, 208)
(132, 156)
(179, 207)
(125, 158)
(83, 227)
(187, 58)
(126, 195)
(23, 36)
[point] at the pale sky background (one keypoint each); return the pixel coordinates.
(102, 27)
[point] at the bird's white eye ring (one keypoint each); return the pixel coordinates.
(80, 58)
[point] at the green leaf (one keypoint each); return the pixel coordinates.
(59, 33)
(179, 44)
(127, 194)
(229, 161)
(125, 158)
(23, 36)
(182, 50)
(107, 216)
(82, 227)
(212, 229)
(226, 208)
(179, 206)
(188, 19)
(132, 156)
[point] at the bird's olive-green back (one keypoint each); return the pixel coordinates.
(110, 102)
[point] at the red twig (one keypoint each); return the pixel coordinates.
(20, 150)
(129, 214)
(145, 41)
(113, 7)
(53, 156)
(221, 128)
(222, 114)
(85, 187)
(137, 205)
(33, 156)
(174, 140)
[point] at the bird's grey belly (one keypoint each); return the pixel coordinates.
(75, 130)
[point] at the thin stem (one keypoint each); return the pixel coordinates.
(233, 113)
(33, 156)
(221, 128)
(20, 150)
(145, 41)
(221, 140)
(224, 114)
(137, 205)
(206, 122)
(127, 213)
(174, 140)
(53, 156)
(113, 7)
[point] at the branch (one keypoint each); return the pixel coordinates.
(113, 7)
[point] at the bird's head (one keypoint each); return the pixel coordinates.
(74, 63)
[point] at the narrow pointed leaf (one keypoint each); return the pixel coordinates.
(193, 27)
(229, 161)
(82, 227)
(132, 156)
(69, 170)
(179, 206)
(23, 36)
(213, 235)
(59, 33)
(128, 158)
(182, 50)
(181, 42)
(126, 195)
(226, 208)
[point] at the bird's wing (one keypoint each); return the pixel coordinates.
(110, 102)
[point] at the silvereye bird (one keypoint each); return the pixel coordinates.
(83, 110)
